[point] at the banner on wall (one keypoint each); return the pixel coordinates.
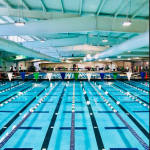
(142, 75)
(115, 75)
(76, 76)
(102, 76)
(63, 75)
(22, 75)
(36, 76)
(10, 75)
(129, 75)
(49, 75)
(89, 76)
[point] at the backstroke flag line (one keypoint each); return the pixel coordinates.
(115, 75)
(49, 75)
(22, 75)
(63, 75)
(102, 76)
(129, 75)
(89, 76)
(36, 75)
(142, 75)
(10, 75)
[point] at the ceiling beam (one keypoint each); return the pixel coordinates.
(81, 4)
(81, 40)
(7, 3)
(100, 6)
(145, 5)
(121, 35)
(35, 14)
(62, 6)
(44, 7)
(73, 25)
(123, 4)
(25, 4)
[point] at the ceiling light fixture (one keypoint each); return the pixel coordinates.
(42, 41)
(129, 51)
(104, 40)
(107, 58)
(118, 56)
(127, 22)
(88, 56)
(129, 58)
(19, 23)
(100, 60)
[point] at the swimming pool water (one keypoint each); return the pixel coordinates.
(97, 127)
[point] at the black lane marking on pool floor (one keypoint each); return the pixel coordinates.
(136, 86)
(94, 124)
(71, 111)
(41, 112)
(52, 123)
(124, 149)
(132, 94)
(16, 102)
(7, 111)
(20, 112)
(31, 128)
(129, 102)
(76, 128)
(47, 102)
(106, 112)
(141, 111)
(15, 94)
(71, 102)
(131, 117)
(114, 128)
(18, 149)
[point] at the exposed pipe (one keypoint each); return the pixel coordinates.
(13, 47)
(134, 43)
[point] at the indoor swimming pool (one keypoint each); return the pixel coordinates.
(81, 115)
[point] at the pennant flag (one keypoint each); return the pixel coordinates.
(73, 69)
(64, 68)
(78, 69)
(22, 75)
(102, 76)
(89, 76)
(142, 75)
(117, 69)
(146, 76)
(49, 75)
(54, 69)
(59, 69)
(36, 75)
(122, 68)
(129, 75)
(10, 75)
(63, 75)
(49, 68)
(93, 69)
(115, 75)
(76, 76)
(137, 67)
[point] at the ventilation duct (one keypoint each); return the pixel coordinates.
(13, 47)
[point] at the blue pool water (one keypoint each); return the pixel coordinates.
(97, 127)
